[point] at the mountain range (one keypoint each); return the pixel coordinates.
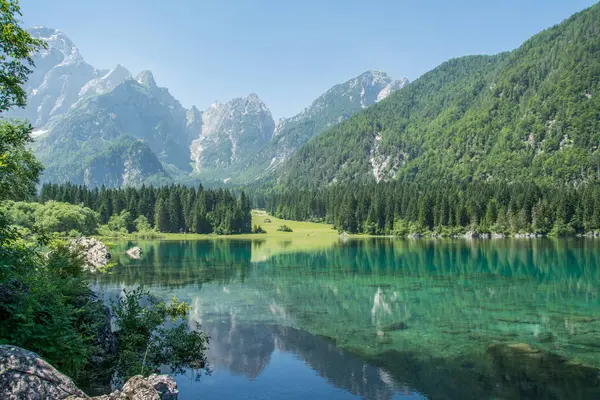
(107, 127)
(529, 114)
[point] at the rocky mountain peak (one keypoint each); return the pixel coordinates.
(253, 104)
(375, 77)
(58, 43)
(391, 88)
(193, 118)
(105, 83)
(145, 78)
(231, 132)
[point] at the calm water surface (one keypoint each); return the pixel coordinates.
(383, 319)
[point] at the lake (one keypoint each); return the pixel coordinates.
(382, 318)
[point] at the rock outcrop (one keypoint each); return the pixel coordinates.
(25, 375)
(135, 252)
(96, 254)
(154, 387)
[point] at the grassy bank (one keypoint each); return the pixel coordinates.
(305, 236)
(269, 223)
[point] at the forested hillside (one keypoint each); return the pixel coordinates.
(533, 113)
(445, 209)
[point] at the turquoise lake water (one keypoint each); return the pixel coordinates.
(382, 318)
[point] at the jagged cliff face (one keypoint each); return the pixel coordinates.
(56, 81)
(232, 133)
(334, 106)
(83, 115)
(267, 144)
(134, 109)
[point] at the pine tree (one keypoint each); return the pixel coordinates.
(161, 216)
(176, 221)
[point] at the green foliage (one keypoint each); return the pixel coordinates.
(122, 162)
(146, 343)
(284, 228)
(16, 50)
(174, 208)
(528, 114)
(19, 170)
(398, 208)
(258, 229)
(52, 216)
(45, 304)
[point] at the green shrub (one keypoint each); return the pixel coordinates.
(144, 341)
(258, 229)
(45, 302)
(284, 228)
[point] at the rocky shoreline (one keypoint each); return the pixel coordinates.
(493, 235)
(25, 375)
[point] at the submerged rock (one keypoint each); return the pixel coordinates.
(95, 253)
(534, 372)
(25, 375)
(135, 252)
(545, 337)
(396, 326)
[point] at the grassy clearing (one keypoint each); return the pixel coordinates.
(300, 230)
(305, 236)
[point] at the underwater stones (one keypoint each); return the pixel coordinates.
(583, 319)
(135, 252)
(396, 326)
(545, 337)
(534, 371)
(516, 321)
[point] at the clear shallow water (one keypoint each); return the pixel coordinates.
(383, 319)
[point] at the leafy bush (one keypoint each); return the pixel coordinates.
(258, 229)
(52, 216)
(145, 342)
(45, 302)
(284, 228)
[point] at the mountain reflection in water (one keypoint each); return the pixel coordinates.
(246, 349)
(450, 319)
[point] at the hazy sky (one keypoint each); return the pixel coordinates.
(288, 51)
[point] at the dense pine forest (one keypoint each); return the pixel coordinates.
(444, 209)
(174, 208)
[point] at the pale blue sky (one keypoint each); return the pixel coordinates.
(288, 51)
